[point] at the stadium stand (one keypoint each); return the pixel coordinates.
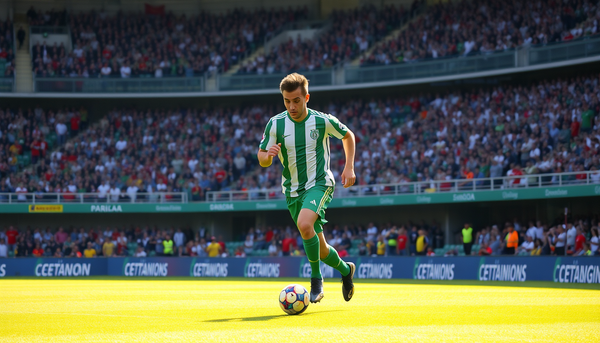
(7, 56)
(534, 240)
(27, 136)
(451, 29)
(141, 45)
(546, 127)
(352, 32)
(49, 17)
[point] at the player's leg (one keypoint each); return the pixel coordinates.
(306, 222)
(317, 199)
(330, 257)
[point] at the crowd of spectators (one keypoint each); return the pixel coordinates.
(7, 55)
(143, 45)
(546, 127)
(577, 238)
(450, 29)
(351, 33)
(50, 17)
(28, 135)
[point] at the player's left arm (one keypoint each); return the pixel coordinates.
(340, 131)
(348, 176)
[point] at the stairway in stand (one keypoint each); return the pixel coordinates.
(23, 73)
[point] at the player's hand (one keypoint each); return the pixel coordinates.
(274, 150)
(348, 177)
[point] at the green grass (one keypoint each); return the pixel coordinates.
(239, 310)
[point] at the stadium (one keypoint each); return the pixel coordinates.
(186, 170)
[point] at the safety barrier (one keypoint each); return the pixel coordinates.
(492, 268)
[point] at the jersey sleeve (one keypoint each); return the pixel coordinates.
(269, 137)
(335, 128)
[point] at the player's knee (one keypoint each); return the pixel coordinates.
(305, 227)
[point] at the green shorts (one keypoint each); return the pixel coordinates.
(315, 199)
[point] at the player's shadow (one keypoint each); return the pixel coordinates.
(261, 318)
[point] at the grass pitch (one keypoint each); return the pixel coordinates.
(232, 310)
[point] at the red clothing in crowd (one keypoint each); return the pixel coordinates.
(35, 148)
(579, 240)
(402, 242)
(11, 236)
(75, 123)
(287, 243)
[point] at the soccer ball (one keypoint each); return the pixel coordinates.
(294, 299)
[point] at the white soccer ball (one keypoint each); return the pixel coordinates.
(294, 299)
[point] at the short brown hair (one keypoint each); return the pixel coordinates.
(291, 82)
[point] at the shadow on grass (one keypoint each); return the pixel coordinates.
(261, 318)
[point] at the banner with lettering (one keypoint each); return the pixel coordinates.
(491, 268)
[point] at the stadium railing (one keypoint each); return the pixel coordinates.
(84, 198)
(266, 81)
(424, 187)
(564, 52)
(7, 84)
(485, 64)
(519, 58)
(442, 67)
(119, 85)
(49, 30)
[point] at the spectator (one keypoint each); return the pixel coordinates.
(214, 248)
(21, 36)
(414, 235)
(422, 243)
(537, 248)
(168, 246)
(485, 250)
(288, 244)
(579, 240)
(273, 249)
(381, 246)
(392, 241)
(140, 252)
(467, 238)
(90, 251)
(61, 133)
(11, 236)
(594, 242)
(561, 239)
(402, 239)
(571, 235)
(108, 248)
(75, 252)
(527, 246)
(512, 242)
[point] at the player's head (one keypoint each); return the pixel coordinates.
(294, 89)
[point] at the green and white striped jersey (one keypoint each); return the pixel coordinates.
(304, 149)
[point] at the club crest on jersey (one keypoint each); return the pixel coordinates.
(314, 134)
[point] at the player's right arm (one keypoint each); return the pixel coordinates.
(268, 147)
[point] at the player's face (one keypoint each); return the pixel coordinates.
(295, 103)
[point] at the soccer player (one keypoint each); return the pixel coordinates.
(299, 136)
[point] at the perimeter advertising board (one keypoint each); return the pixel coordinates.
(493, 268)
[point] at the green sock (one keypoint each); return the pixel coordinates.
(333, 260)
(311, 247)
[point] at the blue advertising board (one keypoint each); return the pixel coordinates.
(46, 267)
(491, 268)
